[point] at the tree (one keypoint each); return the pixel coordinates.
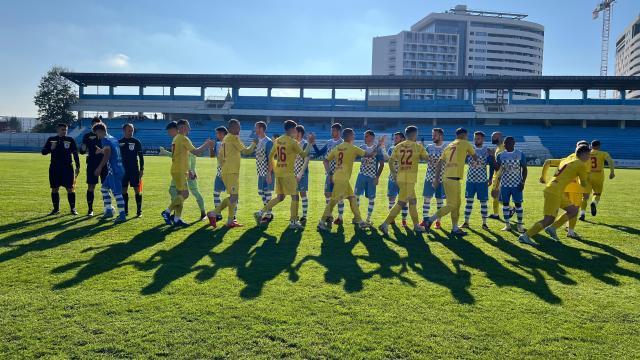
(15, 124)
(54, 99)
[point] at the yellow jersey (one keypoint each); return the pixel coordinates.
(574, 186)
(181, 147)
(406, 156)
(230, 154)
(455, 156)
(345, 155)
(285, 150)
(568, 170)
(597, 159)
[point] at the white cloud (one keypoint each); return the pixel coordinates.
(120, 61)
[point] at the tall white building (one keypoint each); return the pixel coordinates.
(463, 42)
(628, 54)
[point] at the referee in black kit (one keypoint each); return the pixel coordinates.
(61, 173)
(90, 143)
(131, 151)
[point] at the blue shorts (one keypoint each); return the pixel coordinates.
(366, 186)
(218, 185)
(263, 185)
(113, 182)
(392, 188)
(328, 185)
(303, 184)
(429, 191)
(513, 193)
(479, 189)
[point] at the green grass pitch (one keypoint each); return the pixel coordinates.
(73, 287)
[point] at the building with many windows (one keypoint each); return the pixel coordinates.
(628, 53)
(463, 42)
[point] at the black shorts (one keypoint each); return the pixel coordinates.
(61, 176)
(92, 179)
(131, 178)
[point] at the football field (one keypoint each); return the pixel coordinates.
(77, 287)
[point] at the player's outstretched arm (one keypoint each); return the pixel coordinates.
(200, 150)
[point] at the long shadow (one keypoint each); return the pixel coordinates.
(378, 252)
(62, 238)
(111, 257)
(421, 260)
(26, 222)
(625, 228)
(612, 251)
(473, 257)
(526, 260)
(600, 265)
(340, 263)
(268, 261)
(179, 261)
(234, 256)
(25, 235)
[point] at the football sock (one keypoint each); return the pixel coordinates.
(294, 209)
(139, 203)
(221, 206)
(90, 197)
(305, 205)
(426, 207)
(125, 196)
(216, 199)
(496, 206)
(340, 208)
(106, 199)
(468, 209)
(55, 201)
(536, 228)
(120, 203)
(372, 203)
(519, 214)
(484, 211)
(405, 211)
(395, 210)
(71, 198)
(355, 210)
(267, 198)
(560, 221)
(506, 213)
(413, 211)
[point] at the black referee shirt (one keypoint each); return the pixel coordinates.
(65, 147)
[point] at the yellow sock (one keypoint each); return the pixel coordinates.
(413, 212)
(583, 204)
(572, 222)
(294, 209)
(175, 202)
(353, 204)
(536, 228)
(273, 202)
(232, 210)
(496, 206)
(560, 221)
(328, 209)
(395, 210)
(223, 204)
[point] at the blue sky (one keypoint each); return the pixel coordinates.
(271, 37)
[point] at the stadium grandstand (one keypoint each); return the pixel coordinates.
(543, 127)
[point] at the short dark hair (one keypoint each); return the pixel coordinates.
(262, 124)
(398, 133)
(222, 129)
(410, 130)
(509, 138)
(370, 133)
(479, 133)
(233, 122)
(171, 125)
(300, 129)
(289, 124)
(95, 120)
(183, 122)
(127, 124)
(336, 126)
(99, 126)
(460, 131)
(595, 143)
(439, 131)
(347, 132)
(62, 125)
(582, 149)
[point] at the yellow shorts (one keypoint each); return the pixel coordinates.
(286, 185)
(341, 190)
(407, 191)
(596, 183)
(452, 189)
(180, 179)
(574, 197)
(553, 202)
(231, 183)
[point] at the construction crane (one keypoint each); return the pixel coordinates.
(604, 7)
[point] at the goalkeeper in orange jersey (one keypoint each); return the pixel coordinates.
(344, 156)
(574, 191)
(555, 198)
(597, 159)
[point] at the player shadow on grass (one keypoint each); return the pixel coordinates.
(628, 229)
(26, 222)
(612, 251)
(40, 231)
(110, 257)
(180, 260)
(62, 238)
(496, 272)
(380, 253)
(268, 260)
(423, 262)
(337, 258)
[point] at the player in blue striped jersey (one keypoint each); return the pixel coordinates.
(115, 171)
(370, 171)
(477, 180)
(511, 166)
(330, 166)
(435, 151)
(301, 170)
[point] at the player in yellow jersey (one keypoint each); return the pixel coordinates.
(230, 157)
(403, 164)
(181, 146)
(451, 168)
(574, 191)
(344, 156)
(285, 150)
(555, 198)
(596, 177)
(498, 140)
